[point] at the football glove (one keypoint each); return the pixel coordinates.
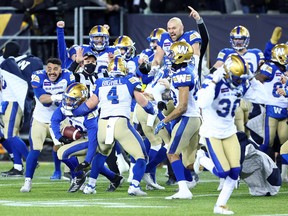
(218, 75)
(65, 140)
(161, 105)
(276, 35)
(82, 166)
(153, 71)
(65, 112)
(159, 126)
(57, 97)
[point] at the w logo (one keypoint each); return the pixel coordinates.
(182, 49)
(277, 110)
(279, 51)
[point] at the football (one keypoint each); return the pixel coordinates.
(71, 133)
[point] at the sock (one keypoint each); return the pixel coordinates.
(208, 164)
(226, 191)
(21, 146)
(188, 175)
(97, 165)
(72, 163)
(8, 147)
(31, 163)
(284, 158)
(135, 183)
(110, 175)
(92, 182)
(160, 156)
(57, 162)
(178, 170)
(139, 169)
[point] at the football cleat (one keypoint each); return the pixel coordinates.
(77, 183)
(27, 186)
(67, 176)
(181, 195)
(115, 183)
(222, 210)
(136, 191)
(149, 181)
(171, 181)
(13, 173)
(89, 189)
(56, 176)
(191, 184)
(197, 166)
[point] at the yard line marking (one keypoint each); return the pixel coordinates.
(75, 203)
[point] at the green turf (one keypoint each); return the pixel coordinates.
(51, 198)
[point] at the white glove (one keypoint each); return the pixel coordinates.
(153, 71)
(218, 75)
(57, 97)
(66, 112)
(248, 76)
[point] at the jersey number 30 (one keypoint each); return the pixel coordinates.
(226, 107)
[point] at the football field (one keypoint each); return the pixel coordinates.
(51, 198)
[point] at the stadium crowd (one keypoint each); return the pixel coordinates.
(102, 103)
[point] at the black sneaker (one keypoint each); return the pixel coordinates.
(76, 184)
(67, 176)
(13, 173)
(171, 181)
(115, 183)
(5, 173)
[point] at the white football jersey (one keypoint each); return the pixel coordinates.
(219, 103)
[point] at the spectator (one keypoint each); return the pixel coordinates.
(232, 5)
(254, 6)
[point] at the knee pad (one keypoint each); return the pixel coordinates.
(234, 173)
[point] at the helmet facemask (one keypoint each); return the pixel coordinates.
(74, 96)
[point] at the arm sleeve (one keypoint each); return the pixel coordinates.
(206, 94)
(56, 119)
(268, 48)
(205, 40)
(256, 92)
(92, 129)
(62, 48)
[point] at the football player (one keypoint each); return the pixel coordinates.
(175, 33)
(74, 96)
(271, 75)
(114, 121)
(218, 99)
(186, 117)
(67, 56)
(48, 85)
(99, 45)
(17, 96)
(239, 40)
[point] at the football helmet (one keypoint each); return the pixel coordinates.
(74, 95)
(235, 66)
(239, 37)
(156, 34)
(279, 54)
(126, 46)
(180, 52)
(95, 33)
(117, 66)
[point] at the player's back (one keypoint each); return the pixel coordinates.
(115, 95)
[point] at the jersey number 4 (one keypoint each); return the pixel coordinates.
(112, 95)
